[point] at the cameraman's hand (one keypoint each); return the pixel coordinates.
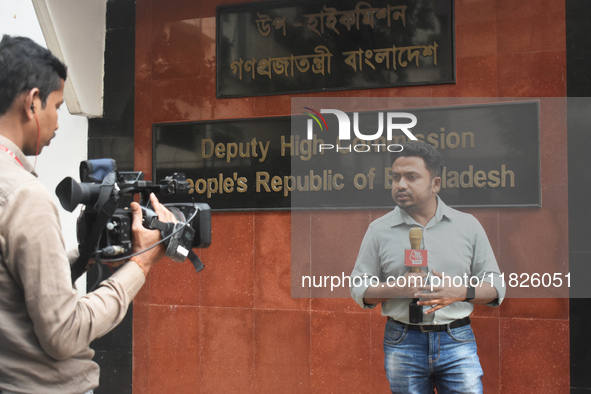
(143, 238)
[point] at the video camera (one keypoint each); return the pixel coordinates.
(104, 225)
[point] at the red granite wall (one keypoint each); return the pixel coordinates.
(235, 328)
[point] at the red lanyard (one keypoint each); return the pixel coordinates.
(5, 149)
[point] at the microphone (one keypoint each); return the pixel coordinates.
(415, 258)
(416, 236)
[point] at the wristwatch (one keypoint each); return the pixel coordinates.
(470, 293)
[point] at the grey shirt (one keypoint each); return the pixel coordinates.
(457, 246)
(45, 328)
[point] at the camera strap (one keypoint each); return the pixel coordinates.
(195, 260)
(87, 248)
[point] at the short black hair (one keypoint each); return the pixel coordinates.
(25, 65)
(431, 156)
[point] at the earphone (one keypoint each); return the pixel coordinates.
(38, 135)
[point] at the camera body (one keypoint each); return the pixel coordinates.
(104, 225)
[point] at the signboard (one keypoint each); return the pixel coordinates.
(491, 153)
(306, 46)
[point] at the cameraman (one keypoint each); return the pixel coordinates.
(45, 329)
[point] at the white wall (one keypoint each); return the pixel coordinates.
(74, 30)
(69, 147)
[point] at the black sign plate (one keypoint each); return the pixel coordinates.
(308, 46)
(491, 152)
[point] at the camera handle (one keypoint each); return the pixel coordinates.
(175, 233)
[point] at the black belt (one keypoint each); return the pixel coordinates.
(434, 327)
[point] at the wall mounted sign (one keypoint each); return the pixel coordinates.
(491, 153)
(307, 46)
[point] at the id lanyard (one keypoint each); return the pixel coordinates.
(11, 153)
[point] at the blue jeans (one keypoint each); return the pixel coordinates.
(417, 362)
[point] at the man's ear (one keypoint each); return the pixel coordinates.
(436, 184)
(32, 102)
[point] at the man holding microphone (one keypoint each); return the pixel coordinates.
(428, 341)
